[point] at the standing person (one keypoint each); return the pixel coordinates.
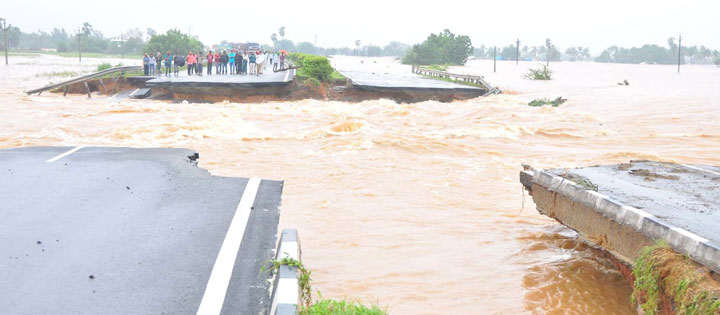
(231, 58)
(146, 64)
(218, 66)
(209, 59)
(238, 62)
(168, 63)
(275, 60)
(251, 61)
(260, 62)
(224, 58)
(282, 59)
(151, 65)
(158, 63)
(245, 64)
(191, 65)
(178, 61)
(198, 64)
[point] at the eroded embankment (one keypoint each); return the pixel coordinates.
(293, 91)
(663, 281)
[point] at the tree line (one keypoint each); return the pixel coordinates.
(441, 48)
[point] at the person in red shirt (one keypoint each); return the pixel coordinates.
(210, 59)
(191, 63)
(217, 62)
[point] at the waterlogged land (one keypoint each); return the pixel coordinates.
(416, 207)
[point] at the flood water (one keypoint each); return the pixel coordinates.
(416, 207)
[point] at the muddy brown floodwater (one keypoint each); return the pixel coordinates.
(415, 206)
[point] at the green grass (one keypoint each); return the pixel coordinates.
(659, 270)
(337, 78)
(341, 307)
(322, 306)
(440, 67)
(455, 81)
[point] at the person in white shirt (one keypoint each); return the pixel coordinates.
(260, 63)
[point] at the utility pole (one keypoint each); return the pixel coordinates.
(548, 43)
(679, 51)
(5, 29)
(517, 54)
(122, 46)
(78, 35)
(494, 58)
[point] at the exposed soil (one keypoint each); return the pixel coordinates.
(292, 91)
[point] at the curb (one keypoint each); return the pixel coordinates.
(286, 290)
(697, 247)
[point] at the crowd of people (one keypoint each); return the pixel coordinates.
(236, 62)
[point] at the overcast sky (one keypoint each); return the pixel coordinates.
(597, 24)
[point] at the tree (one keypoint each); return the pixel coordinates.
(286, 44)
(281, 31)
(306, 48)
(357, 44)
(175, 41)
(395, 49)
(5, 29)
(508, 52)
(442, 48)
(274, 39)
(373, 51)
(62, 47)
(572, 53)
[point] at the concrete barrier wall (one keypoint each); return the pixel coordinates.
(286, 289)
(653, 228)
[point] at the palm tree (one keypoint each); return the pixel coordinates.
(273, 37)
(357, 43)
(281, 31)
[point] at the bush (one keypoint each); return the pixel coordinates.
(441, 48)
(104, 66)
(313, 67)
(543, 101)
(543, 73)
(62, 47)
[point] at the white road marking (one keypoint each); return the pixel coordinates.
(700, 169)
(214, 297)
(73, 150)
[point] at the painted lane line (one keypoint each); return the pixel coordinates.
(700, 169)
(214, 297)
(73, 150)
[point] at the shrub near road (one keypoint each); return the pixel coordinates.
(316, 69)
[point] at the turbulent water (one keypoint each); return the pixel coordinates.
(416, 207)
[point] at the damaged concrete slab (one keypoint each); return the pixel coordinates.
(90, 230)
(374, 80)
(625, 207)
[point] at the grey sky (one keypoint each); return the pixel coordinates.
(597, 24)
